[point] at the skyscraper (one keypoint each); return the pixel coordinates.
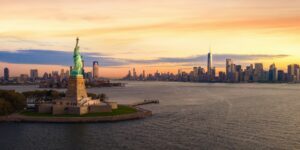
(273, 74)
(95, 69)
(222, 76)
(258, 72)
(88, 75)
(239, 71)
(45, 76)
(6, 74)
(134, 74)
(195, 72)
(129, 75)
(34, 74)
(209, 64)
(248, 73)
(179, 72)
(229, 64)
(82, 61)
(62, 73)
(144, 74)
(281, 76)
(293, 72)
(213, 73)
(71, 68)
(201, 73)
(67, 73)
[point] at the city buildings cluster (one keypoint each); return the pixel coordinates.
(233, 73)
(53, 79)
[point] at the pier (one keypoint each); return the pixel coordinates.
(146, 101)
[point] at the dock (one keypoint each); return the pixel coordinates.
(146, 101)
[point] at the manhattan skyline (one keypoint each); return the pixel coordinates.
(164, 35)
(119, 71)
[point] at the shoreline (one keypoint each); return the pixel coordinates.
(140, 114)
(213, 82)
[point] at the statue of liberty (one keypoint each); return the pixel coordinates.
(78, 66)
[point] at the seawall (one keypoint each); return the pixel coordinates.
(140, 114)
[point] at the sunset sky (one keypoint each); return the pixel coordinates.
(162, 35)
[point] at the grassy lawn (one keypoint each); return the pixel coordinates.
(120, 111)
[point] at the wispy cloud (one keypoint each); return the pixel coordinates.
(54, 57)
(14, 39)
(194, 25)
(201, 58)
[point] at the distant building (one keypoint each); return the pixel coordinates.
(55, 76)
(34, 74)
(234, 73)
(23, 78)
(213, 73)
(95, 69)
(134, 74)
(209, 64)
(248, 75)
(195, 74)
(67, 73)
(129, 74)
(201, 74)
(229, 64)
(281, 76)
(293, 72)
(265, 76)
(231, 72)
(222, 76)
(83, 69)
(71, 68)
(62, 73)
(88, 75)
(6, 74)
(239, 70)
(258, 72)
(179, 73)
(273, 74)
(144, 75)
(46, 75)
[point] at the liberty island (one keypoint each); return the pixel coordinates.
(76, 105)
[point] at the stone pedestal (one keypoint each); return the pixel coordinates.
(76, 101)
(76, 89)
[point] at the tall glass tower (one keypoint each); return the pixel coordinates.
(6, 74)
(209, 63)
(95, 69)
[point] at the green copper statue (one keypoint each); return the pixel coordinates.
(78, 66)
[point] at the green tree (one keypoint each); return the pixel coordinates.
(11, 101)
(44, 95)
(53, 94)
(102, 97)
(5, 107)
(92, 95)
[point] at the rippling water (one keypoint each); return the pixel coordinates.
(189, 116)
